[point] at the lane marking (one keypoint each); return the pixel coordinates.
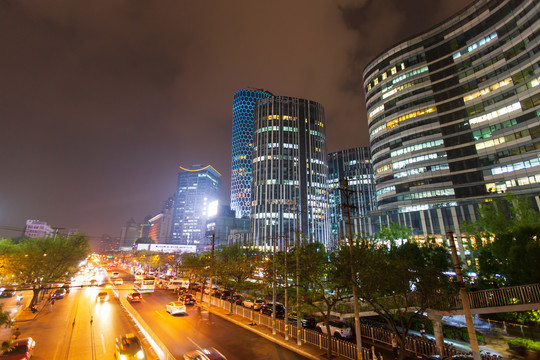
(103, 343)
(194, 343)
(160, 314)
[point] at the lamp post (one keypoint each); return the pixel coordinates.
(286, 315)
(274, 285)
(211, 270)
(344, 188)
(464, 299)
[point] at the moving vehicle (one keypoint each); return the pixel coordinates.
(7, 292)
(175, 283)
(338, 329)
(115, 274)
(129, 347)
(267, 309)
(204, 354)
(175, 307)
(58, 294)
(118, 281)
(102, 296)
(188, 299)
(134, 297)
(22, 350)
(144, 283)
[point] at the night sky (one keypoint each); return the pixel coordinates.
(101, 101)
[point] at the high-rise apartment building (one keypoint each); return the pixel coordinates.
(242, 147)
(197, 187)
(290, 170)
(353, 165)
(453, 116)
(37, 228)
(128, 235)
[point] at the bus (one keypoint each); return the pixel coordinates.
(144, 283)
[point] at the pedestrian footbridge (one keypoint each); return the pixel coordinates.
(515, 298)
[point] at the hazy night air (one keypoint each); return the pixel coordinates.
(101, 102)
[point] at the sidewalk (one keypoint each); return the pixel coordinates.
(306, 350)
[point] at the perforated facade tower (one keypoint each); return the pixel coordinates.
(242, 147)
(290, 170)
(453, 116)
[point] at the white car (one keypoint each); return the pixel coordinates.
(254, 304)
(118, 281)
(176, 307)
(338, 329)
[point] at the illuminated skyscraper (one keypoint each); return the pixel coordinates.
(242, 147)
(355, 166)
(290, 168)
(453, 116)
(196, 189)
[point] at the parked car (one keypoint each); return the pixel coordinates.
(176, 307)
(307, 321)
(129, 347)
(7, 292)
(22, 350)
(236, 299)
(204, 354)
(268, 308)
(102, 296)
(134, 297)
(67, 287)
(225, 294)
(58, 294)
(254, 304)
(188, 299)
(338, 329)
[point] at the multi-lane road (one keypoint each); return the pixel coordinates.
(80, 328)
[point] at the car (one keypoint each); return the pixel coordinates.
(176, 307)
(129, 347)
(258, 304)
(134, 297)
(115, 274)
(58, 294)
(188, 299)
(236, 299)
(338, 329)
(225, 294)
(102, 296)
(118, 281)
(268, 309)
(93, 282)
(7, 292)
(306, 321)
(67, 287)
(204, 354)
(21, 349)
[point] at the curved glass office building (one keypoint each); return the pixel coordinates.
(242, 147)
(290, 172)
(453, 115)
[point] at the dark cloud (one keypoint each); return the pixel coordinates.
(102, 100)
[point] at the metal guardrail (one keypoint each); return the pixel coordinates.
(503, 297)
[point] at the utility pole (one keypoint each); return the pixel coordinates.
(274, 286)
(464, 298)
(298, 321)
(344, 188)
(286, 315)
(211, 270)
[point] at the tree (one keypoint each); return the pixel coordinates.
(198, 268)
(234, 265)
(507, 235)
(40, 262)
(400, 283)
(325, 279)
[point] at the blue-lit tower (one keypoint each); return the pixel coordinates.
(242, 146)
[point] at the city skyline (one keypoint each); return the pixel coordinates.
(101, 104)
